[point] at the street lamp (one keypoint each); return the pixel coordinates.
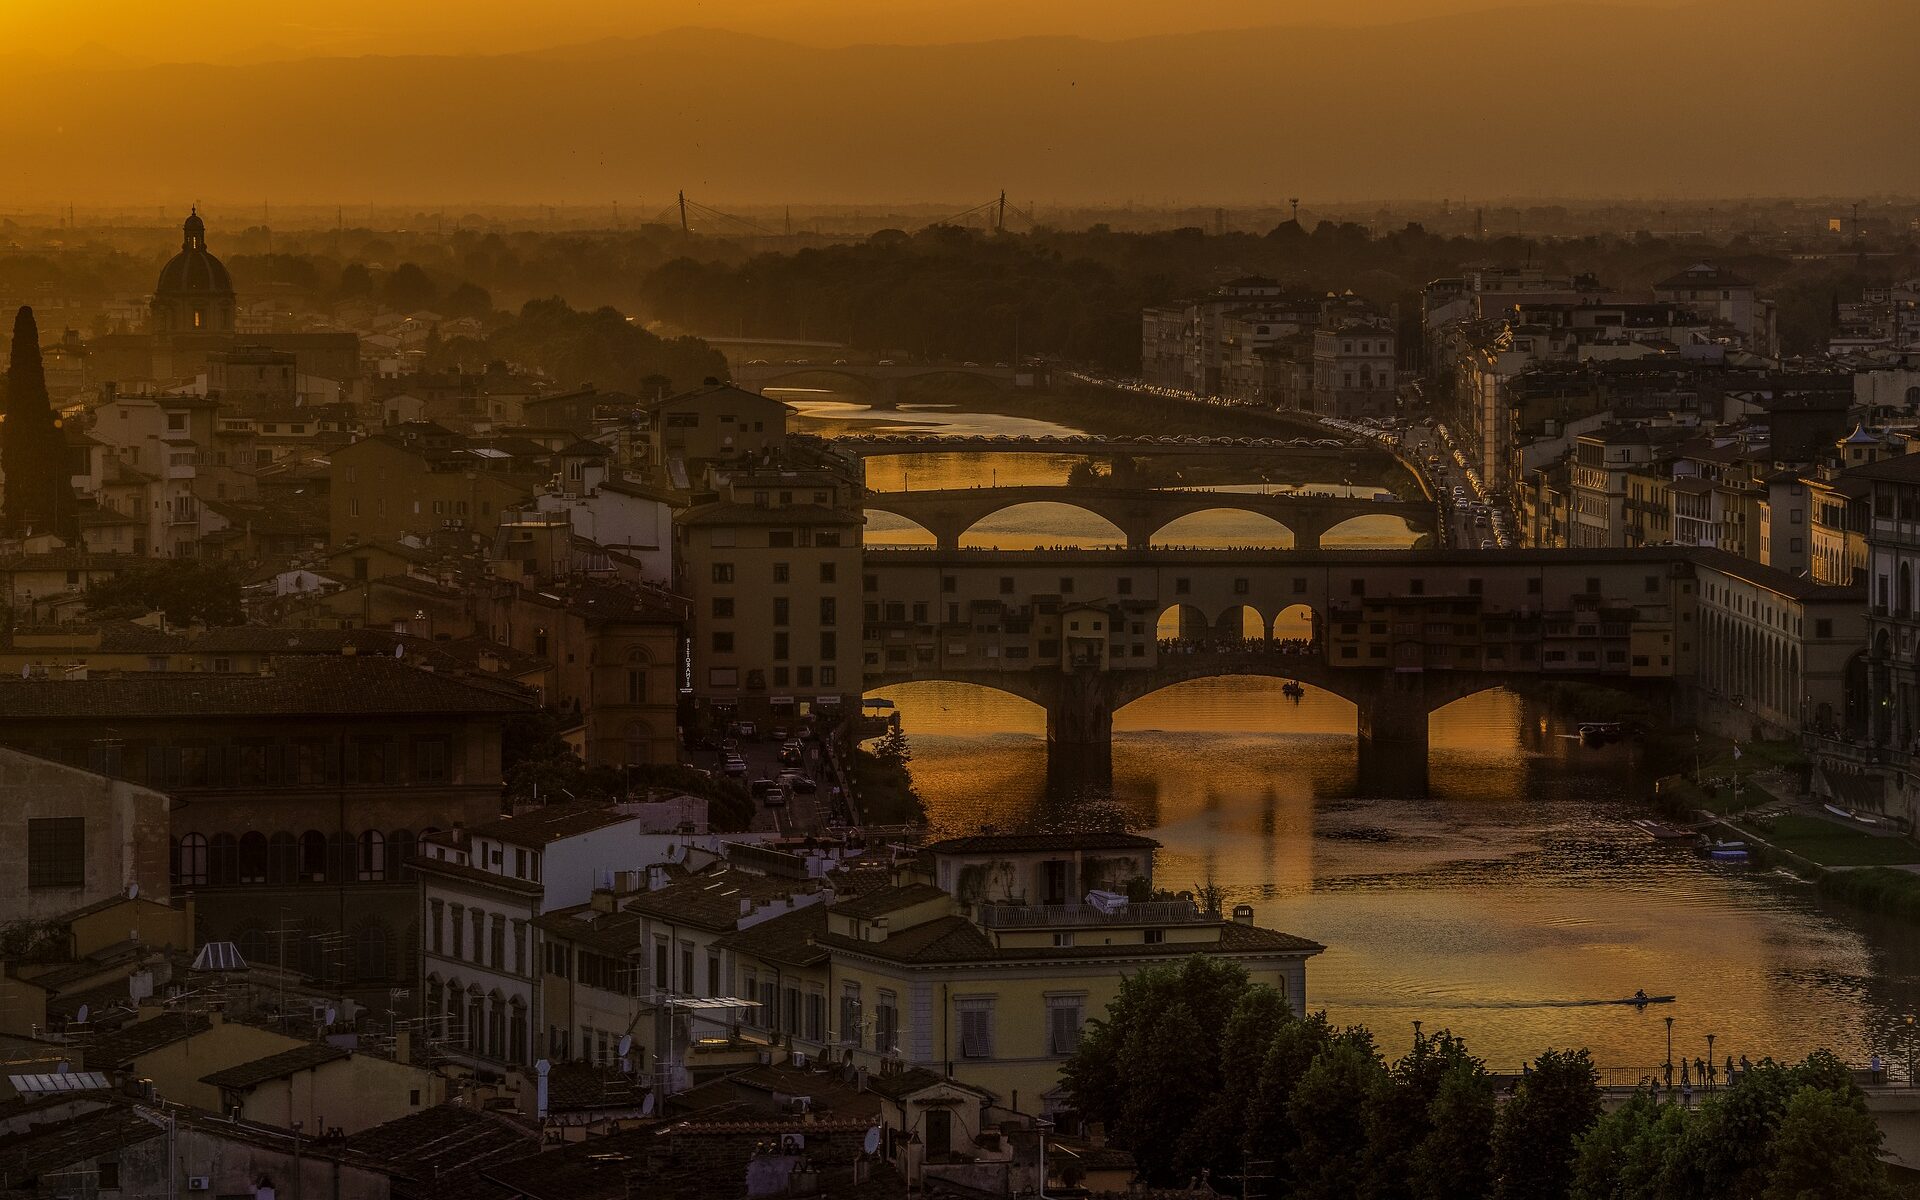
(1910, 1061)
(1669, 1054)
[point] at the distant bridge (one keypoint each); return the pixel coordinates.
(881, 379)
(867, 445)
(1139, 513)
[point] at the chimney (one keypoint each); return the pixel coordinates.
(1243, 914)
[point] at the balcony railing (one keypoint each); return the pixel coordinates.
(1151, 912)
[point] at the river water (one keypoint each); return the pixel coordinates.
(1496, 908)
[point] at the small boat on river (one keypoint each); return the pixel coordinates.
(1640, 1000)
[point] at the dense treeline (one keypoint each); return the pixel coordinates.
(943, 291)
(1202, 1074)
(601, 347)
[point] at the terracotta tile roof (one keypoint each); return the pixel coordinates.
(958, 940)
(441, 1153)
(788, 939)
(550, 823)
(711, 898)
(42, 1149)
(580, 1086)
(615, 934)
(305, 686)
(275, 1066)
(122, 1047)
(885, 900)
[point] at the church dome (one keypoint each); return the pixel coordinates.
(193, 271)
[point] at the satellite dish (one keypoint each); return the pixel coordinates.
(331, 1014)
(133, 891)
(64, 1068)
(626, 1044)
(400, 651)
(872, 1142)
(674, 851)
(542, 1067)
(646, 1106)
(80, 1018)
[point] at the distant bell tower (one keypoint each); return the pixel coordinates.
(194, 293)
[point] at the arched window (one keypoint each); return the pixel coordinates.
(283, 858)
(474, 1030)
(373, 856)
(253, 858)
(400, 848)
(313, 856)
(370, 952)
(193, 860)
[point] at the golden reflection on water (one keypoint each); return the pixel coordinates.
(1495, 908)
(1517, 891)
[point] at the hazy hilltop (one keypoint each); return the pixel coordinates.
(1726, 97)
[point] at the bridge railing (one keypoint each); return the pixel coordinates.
(1151, 912)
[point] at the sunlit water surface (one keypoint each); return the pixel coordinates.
(1497, 908)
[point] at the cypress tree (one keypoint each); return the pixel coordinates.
(39, 493)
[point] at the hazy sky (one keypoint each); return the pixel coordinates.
(238, 30)
(484, 102)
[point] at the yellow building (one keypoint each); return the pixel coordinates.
(992, 992)
(324, 1087)
(774, 572)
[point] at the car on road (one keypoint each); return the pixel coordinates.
(798, 782)
(735, 766)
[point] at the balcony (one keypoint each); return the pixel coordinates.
(1038, 916)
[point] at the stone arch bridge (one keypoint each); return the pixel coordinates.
(1140, 513)
(1397, 634)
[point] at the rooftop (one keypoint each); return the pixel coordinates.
(303, 686)
(275, 1066)
(550, 823)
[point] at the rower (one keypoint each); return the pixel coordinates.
(1640, 997)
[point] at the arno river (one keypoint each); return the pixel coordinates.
(1495, 908)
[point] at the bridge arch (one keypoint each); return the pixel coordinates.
(1371, 530)
(1241, 622)
(893, 529)
(1093, 529)
(1297, 623)
(1183, 622)
(1248, 526)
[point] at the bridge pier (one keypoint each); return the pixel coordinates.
(1393, 738)
(1079, 734)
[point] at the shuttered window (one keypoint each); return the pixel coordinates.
(1063, 1024)
(976, 1027)
(56, 851)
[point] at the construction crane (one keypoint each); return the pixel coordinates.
(692, 216)
(994, 213)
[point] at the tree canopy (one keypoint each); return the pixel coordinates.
(190, 591)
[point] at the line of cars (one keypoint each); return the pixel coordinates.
(1139, 439)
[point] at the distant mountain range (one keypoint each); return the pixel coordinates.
(1727, 97)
